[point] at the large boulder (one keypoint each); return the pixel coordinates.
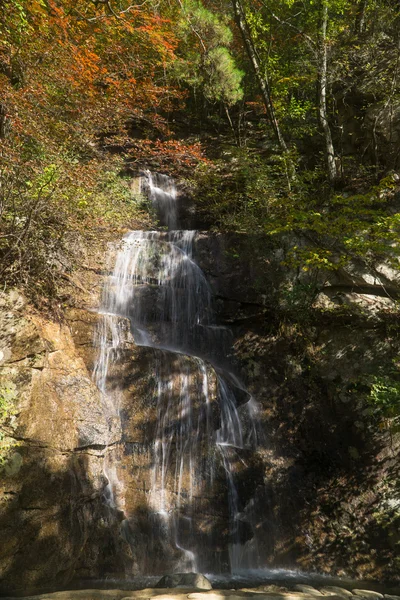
(186, 580)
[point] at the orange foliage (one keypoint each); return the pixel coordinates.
(74, 68)
(170, 156)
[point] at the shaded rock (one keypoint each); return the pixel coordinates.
(372, 305)
(163, 594)
(369, 594)
(272, 588)
(188, 580)
(52, 483)
(56, 477)
(382, 131)
(218, 595)
(159, 593)
(262, 589)
(78, 595)
(174, 594)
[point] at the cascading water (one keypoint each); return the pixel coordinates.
(199, 435)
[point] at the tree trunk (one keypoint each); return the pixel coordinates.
(360, 16)
(322, 82)
(4, 124)
(262, 80)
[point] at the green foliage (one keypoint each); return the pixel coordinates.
(362, 69)
(252, 195)
(205, 63)
(8, 395)
(299, 298)
(92, 204)
(384, 399)
(210, 26)
(46, 199)
(223, 80)
(73, 73)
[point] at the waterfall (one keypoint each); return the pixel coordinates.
(200, 434)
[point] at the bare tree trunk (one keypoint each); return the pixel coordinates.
(228, 116)
(322, 83)
(262, 79)
(360, 16)
(4, 124)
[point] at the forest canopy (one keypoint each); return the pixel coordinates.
(305, 94)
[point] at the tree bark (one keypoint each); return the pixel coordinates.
(360, 16)
(4, 124)
(322, 84)
(261, 79)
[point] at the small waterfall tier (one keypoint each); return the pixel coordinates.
(197, 510)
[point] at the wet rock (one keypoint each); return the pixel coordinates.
(218, 595)
(307, 589)
(77, 595)
(56, 477)
(174, 594)
(369, 594)
(335, 590)
(272, 588)
(188, 580)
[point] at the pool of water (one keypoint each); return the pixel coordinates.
(249, 579)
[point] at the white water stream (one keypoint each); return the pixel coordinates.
(158, 286)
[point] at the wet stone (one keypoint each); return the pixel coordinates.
(307, 589)
(77, 595)
(188, 580)
(369, 594)
(217, 595)
(335, 590)
(174, 595)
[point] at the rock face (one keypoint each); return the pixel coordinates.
(370, 127)
(309, 350)
(324, 481)
(382, 127)
(53, 518)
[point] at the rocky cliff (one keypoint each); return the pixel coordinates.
(311, 347)
(325, 478)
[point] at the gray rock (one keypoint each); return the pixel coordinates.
(174, 594)
(369, 594)
(77, 595)
(188, 580)
(218, 595)
(307, 589)
(338, 591)
(391, 597)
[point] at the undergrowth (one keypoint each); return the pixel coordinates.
(8, 396)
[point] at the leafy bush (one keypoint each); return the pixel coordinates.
(384, 399)
(43, 198)
(252, 195)
(8, 395)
